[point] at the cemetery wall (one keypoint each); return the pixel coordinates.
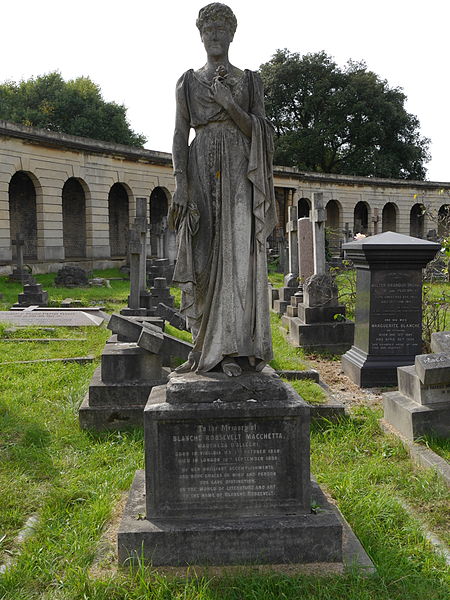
(56, 189)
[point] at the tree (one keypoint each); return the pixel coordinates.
(340, 120)
(75, 107)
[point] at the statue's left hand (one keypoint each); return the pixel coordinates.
(222, 94)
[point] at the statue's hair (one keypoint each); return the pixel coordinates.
(214, 12)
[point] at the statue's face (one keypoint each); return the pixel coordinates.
(216, 38)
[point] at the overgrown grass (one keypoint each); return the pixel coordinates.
(73, 479)
(286, 357)
(309, 390)
(438, 444)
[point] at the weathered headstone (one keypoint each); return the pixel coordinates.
(20, 273)
(53, 318)
(135, 254)
(33, 295)
(375, 220)
(388, 315)
(317, 321)
(421, 406)
(305, 249)
(440, 342)
(291, 279)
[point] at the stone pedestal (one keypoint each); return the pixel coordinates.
(159, 267)
(318, 323)
(227, 477)
(422, 404)
(119, 388)
(33, 295)
(388, 318)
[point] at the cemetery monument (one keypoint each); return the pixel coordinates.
(227, 477)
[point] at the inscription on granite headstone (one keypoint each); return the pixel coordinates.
(395, 326)
(239, 462)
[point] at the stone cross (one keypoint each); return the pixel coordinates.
(375, 220)
(291, 229)
(347, 233)
(19, 242)
(141, 226)
(135, 251)
(318, 218)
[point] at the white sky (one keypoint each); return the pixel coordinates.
(136, 49)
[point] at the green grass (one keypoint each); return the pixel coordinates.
(73, 480)
(438, 444)
(286, 357)
(309, 390)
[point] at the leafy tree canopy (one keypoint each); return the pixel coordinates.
(340, 120)
(75, 107)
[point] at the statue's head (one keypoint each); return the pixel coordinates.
(217, 14)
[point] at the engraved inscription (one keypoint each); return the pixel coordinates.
(395, 326)
(226, 461)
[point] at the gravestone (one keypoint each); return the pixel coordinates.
(388, 315)
(440, 342)
(305, 249)
(135, 253)
(421, 406)
(159, 292)
(20, 272)
(291, 282)
(227, 477)
(130, 367)
(316, 321)
(33, 295)
(291, 279)
(375, 221)
(50, 318)
(159, 267)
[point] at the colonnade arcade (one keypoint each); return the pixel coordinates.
(72, 214)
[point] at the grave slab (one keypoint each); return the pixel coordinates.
(54, 318)
(440, 342)
(414, 420)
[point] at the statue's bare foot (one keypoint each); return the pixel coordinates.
(189, 365)
(230, 367)
(257, 364)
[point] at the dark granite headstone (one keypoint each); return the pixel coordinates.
(227, 477)
(388, 318)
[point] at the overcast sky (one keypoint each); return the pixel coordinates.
(136, 49)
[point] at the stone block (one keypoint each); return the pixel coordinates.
(101, 418)
(440, 342)
(319, 314)
(151, 339)
(280, 306)
(285, 293)
(433, 368)
(171, 315)
(336, 337)
(124, 394)
(372, 371)
(278, 539)
(126, 361)
(174, 348)
(320, 291)
(125, 326)
(414, 420)
(291, 311)
(409, 385)
(265, 442)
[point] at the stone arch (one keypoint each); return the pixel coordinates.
(118, 214)
(303, 207)
(159, 208)
(417, 221)
(23, 191)
(333, 225)
(361, 218)
(443, 221)
(389, 217)
(74, 218)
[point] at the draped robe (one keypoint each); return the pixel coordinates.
(221, 259)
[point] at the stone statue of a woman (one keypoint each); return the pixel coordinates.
(223, 207)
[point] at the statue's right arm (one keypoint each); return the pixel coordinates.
(180, 150)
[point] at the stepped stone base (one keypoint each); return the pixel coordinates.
(373, 371)
(335, 337)
(301, 538)
(414, 420)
